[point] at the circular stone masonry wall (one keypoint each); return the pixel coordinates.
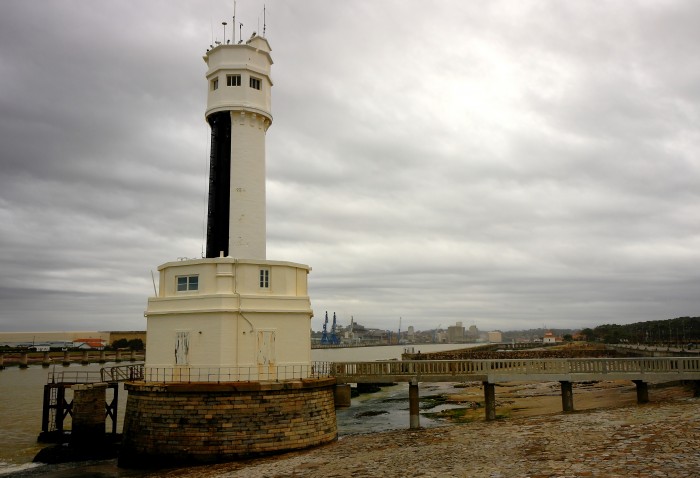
(172, 424)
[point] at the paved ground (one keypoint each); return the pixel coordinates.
(660, 439)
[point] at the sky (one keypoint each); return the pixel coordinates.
(507, 164)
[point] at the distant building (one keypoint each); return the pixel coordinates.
(495, 336)
(549, 338)
(89, 343)
(473, 333)
(455, 333)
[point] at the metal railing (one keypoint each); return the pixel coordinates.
(518, 367)
(234, 374)
(74, 377)
(438, 370)
(122, 373)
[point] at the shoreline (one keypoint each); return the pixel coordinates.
(608, 435)
(655, 439)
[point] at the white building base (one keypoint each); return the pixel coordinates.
(224, 313)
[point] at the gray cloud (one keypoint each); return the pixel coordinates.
(511, 164)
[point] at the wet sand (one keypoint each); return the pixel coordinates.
(608, 436)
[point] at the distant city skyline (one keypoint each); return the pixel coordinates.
(505, 165)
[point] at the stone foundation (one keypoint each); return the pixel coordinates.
(183, 423)
(88, 415)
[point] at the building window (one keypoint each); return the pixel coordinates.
(265, 278)
(255, 83)
(233, 80)
(215, 84)
(187, 283)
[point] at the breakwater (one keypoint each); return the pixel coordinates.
(489, 353)
(25, 358)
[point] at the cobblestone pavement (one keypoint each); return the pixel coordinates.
(652, 440)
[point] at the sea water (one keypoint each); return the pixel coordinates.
(21, 397)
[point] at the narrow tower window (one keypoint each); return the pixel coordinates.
(187, 283)
(215, 84)
(233, 80)
(265, 278)
(255, 83)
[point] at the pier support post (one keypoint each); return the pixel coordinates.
(132, 357)
(45, 414)
(24, 360)
(342, 395)
(118, 356)
(86, 358)
(2, 361)
(103, 356)
(88, 415)
(66, 358)
(490, 400)
(642, 391)
(413, 404)
(567, 396)
(47, 359)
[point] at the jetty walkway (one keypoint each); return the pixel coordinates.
(639, 370)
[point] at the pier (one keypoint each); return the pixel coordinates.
(640, 371)
(88, 388)
(25, 358)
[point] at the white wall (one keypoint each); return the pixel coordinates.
(230, 314)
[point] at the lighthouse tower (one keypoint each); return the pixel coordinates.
(238, 111)
(233, 308)
(228, 369)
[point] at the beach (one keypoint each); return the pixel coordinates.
(537, 440)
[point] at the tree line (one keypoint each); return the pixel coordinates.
(680, 331)
(133, 344)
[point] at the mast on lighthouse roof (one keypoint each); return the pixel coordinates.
(239, 113)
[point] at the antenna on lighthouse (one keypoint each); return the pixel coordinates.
(233, 25)
(224, 24)
(264, 20)
(240, 32)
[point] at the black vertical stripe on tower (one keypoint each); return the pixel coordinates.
(219, 184)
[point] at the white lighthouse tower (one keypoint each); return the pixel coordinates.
(233, 308)
(228, 369)
(238, 111)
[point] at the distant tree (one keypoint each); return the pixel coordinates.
(589, 335)
(135, 344)
(568, 338)
(120, 344)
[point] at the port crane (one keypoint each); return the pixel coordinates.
(332, 338)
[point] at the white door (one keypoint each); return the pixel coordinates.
(266, 351)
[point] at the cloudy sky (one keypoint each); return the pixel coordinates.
(509, 164)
